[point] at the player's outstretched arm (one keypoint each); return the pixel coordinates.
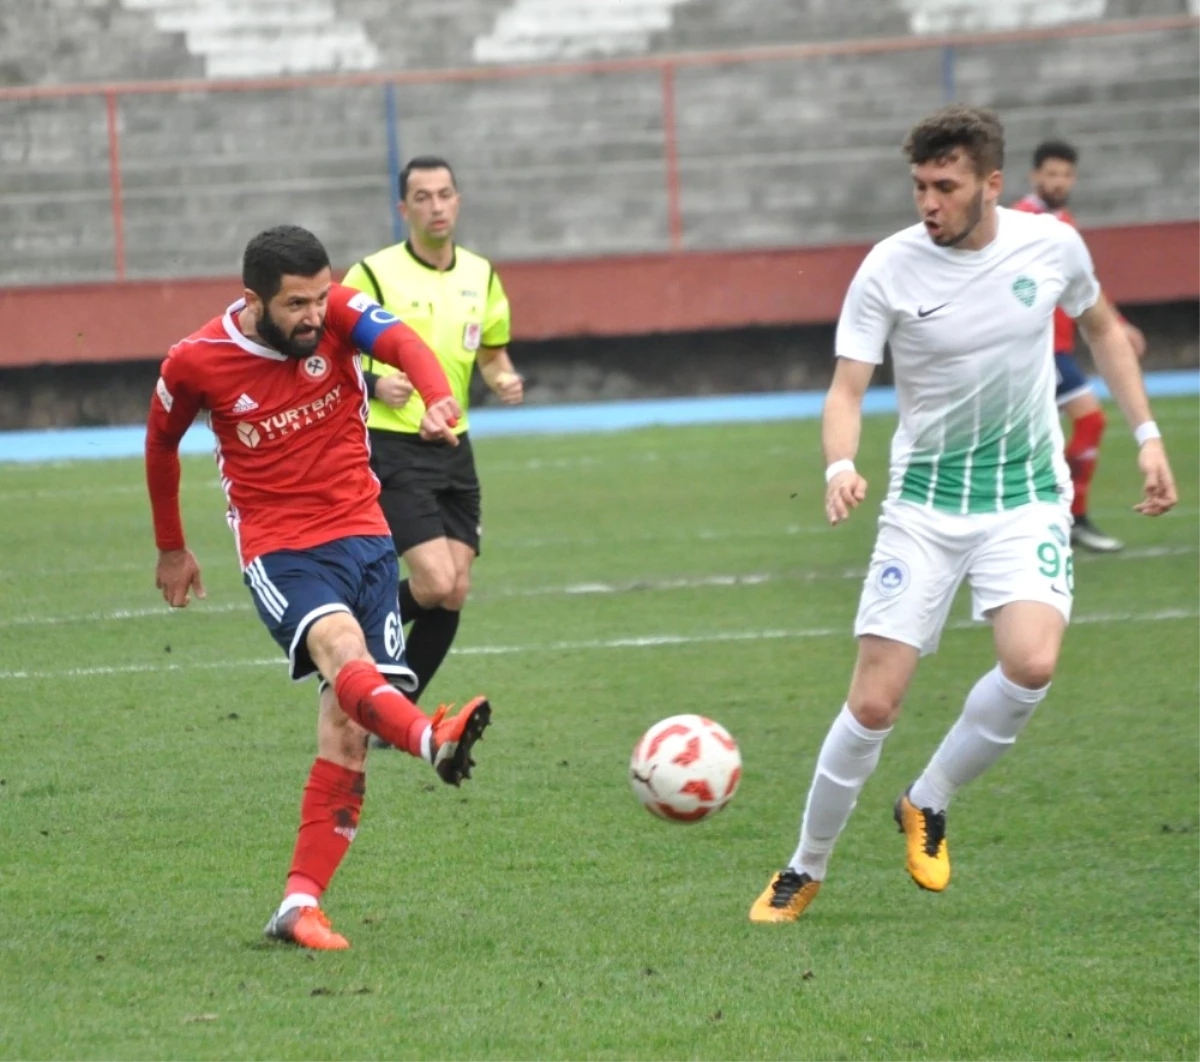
(172, 410)
(1117, 361)
(841, 428)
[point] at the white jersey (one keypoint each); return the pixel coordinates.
(971, 335)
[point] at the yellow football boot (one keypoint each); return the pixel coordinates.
(785, 898)
(925, 833)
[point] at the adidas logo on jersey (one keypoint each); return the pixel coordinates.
(245, 404)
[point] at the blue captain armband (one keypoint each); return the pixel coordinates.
(374, 321)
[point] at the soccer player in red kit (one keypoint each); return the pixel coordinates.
(278, 377)
(1053, 178)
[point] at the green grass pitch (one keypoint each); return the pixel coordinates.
(151, 768)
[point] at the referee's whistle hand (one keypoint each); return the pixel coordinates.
(510, 387)
(394, 389)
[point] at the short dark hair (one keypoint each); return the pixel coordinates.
(285, 250)
(976, 130)
(424, 162)
(1054, 149)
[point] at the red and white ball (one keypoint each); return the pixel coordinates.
(685, 768)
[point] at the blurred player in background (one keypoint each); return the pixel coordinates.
(1053, 178)
(453, 299)
(965, 301)
(279, 379)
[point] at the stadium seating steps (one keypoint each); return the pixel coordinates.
(770, 153)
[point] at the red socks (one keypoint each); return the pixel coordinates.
(1082, 451)
(333, 796)
(329, 812)
(375, 705)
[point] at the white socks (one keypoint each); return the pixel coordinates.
(847, 759)
(996, 711)
(297, 899)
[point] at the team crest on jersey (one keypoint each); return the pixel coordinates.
(472, 334)
(249, 435)
(892, 578)
(1025, 289)
(316, 366)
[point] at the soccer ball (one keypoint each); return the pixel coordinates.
(685, 768)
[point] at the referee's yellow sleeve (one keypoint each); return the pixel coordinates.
(356, 278)
(497, 318)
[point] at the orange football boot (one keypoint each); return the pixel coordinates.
(306, 926)
(454, 737)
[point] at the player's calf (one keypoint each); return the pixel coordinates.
(372, 702)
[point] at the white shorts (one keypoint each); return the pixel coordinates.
(922, 555)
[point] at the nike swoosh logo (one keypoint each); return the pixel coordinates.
(922, 312)
(1058, 591)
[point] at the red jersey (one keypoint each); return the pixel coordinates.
(291, 433)
(1064, 324)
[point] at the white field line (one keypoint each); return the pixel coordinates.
(569, 590)
(37, 494)
(571, 463)
(650, 641)
(117, 615)
(699, 534)
(66, 570)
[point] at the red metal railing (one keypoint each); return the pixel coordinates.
(667, 65)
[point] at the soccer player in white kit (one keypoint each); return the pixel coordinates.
(978, 487)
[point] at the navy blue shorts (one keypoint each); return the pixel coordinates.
(292, 589)
(1071, 381)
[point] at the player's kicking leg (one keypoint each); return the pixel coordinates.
(848, 757)
(360, 702)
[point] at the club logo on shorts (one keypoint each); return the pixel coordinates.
(1025, 289)
(472, 335)
(316, 366)
(892, 578)
(248, 433)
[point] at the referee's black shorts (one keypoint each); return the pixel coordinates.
(430, 489)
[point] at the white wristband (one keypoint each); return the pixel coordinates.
(838, 467)
(1146, 431)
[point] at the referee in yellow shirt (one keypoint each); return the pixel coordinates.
(431, 498)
